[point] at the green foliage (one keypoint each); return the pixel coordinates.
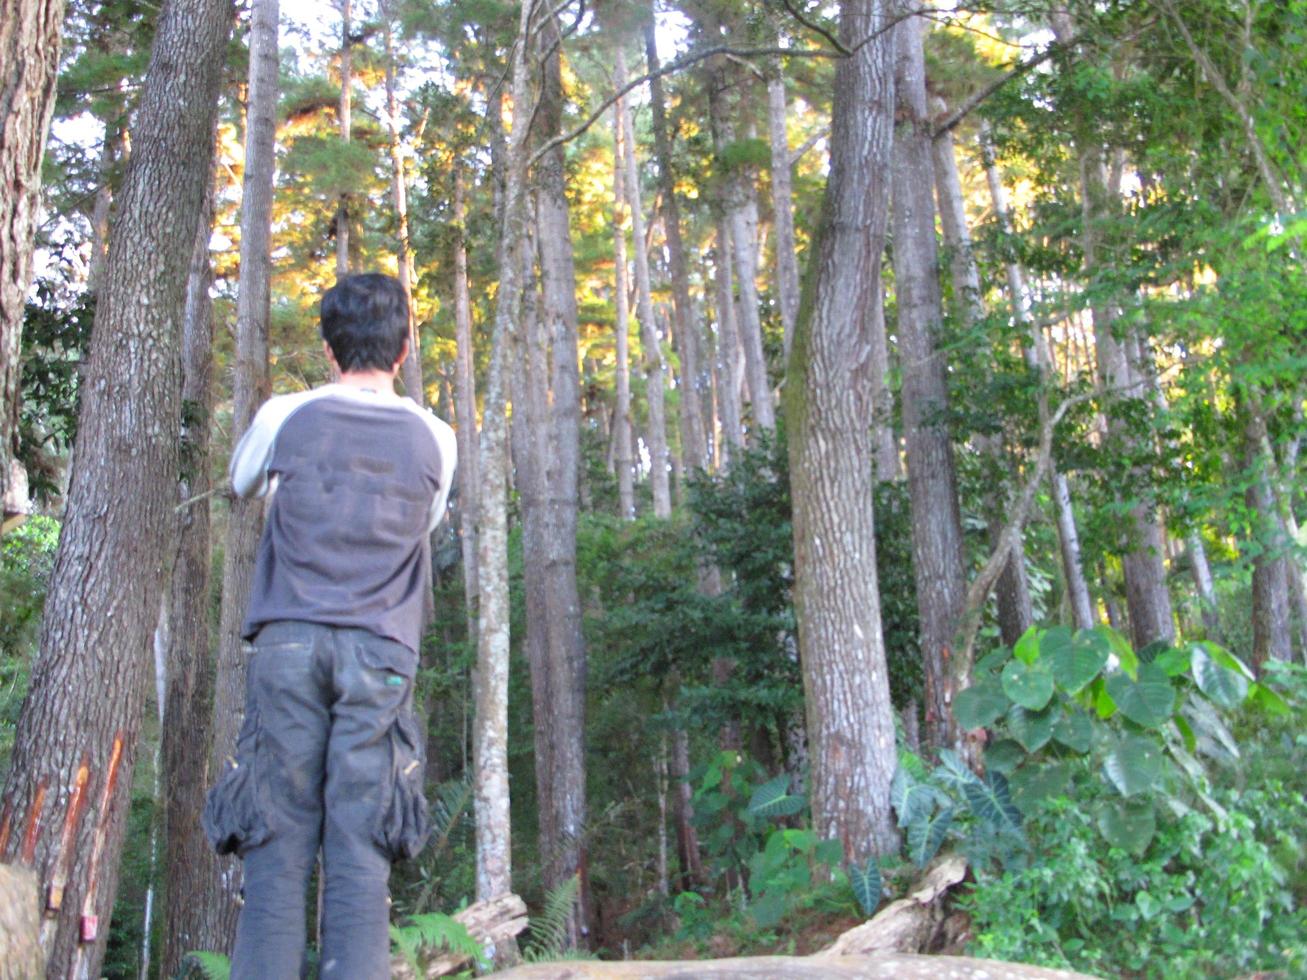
(434, 933)
(551, 930)
(26, 561)
(211, 966)
(868, 885)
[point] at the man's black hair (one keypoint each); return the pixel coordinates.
(365, 321)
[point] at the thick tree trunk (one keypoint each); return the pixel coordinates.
(465, 408)
(937, 556)
(564, 721)
(850, 719)
(787, 263)
(651, 349)
(494, 876)
(1082, 608)
(345, 112)
(623, 461)
(695, 419)
(411, 370)
(1015, 613)
(744, 248)
(66, 799)
(29, 62)
(188, 707)
(1272, 619)
(221, 897)
(1202, 574)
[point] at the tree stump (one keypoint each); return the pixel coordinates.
(20, 925)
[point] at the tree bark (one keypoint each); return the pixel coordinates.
(29, 63)
(221, 897)
(938, 561)
(345, 112)
(695, 419)
(743, 238)
(623, 461)
(564, 721)
(1272, 619)
(1015, 613)
(787, 263)
(411, 369)
(188, 706)
(728, 351)
(885, 444)
(837, 605)
(1202, 574)
(651, 348)
(66, 798)
(490, 684)
(468, 475)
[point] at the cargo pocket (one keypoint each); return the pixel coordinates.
(236, 811)
(404, 823)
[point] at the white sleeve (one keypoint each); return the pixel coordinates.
(447, 443)
(249, 461)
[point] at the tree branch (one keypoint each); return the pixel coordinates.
(967, 107)
(813, 26)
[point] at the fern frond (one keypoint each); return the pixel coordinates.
(550, 932)
(212, 966)
(435, 932)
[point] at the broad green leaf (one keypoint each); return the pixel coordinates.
(1214, 738)
(1004, 755)
(981, 704)
(1149, 701)
(1104, 706)
(1173, 661)
(991, 800)
(1074, 730)
(1134, 766)
(829, 852)
(1038, 781)
(1054, 642)
(911, 800)
(1078, 661)
(1032, 729)
(1225, 658)
(1028, 684)
(992, 661)
(1186, 732)
(1127, 824)
(952, 771)
(867, 885)
(925, 836)
(1268, 700)
(773, 799)
(768, 909)
(1226, 687)
(1026, 649)
(1126, 658)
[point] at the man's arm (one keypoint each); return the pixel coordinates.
(249, 462)
(447, 443)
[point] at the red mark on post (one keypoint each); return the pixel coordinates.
(33, 830)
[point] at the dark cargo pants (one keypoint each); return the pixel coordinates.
(328, 756)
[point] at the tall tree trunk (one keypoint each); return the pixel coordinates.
(221, 898)
(1272, 619)
(743, 238)
(787, 263)
(188, 706)
(885, 444)
(465, 407)
(494, 875)
(83, 710)
(837, 604)
(29, 62)
(345, 112)
(1082, 608)
(937, 556)
(695, 419)
(1015, 613)
(411, 370)
(565, 854)
(623, 461)
(651, 348)
(111, 154)
(1147, 600)
(728, 350)
(1202, 574)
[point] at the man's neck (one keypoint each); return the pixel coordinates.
(381, 381)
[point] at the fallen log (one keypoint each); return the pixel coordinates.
(908, 925)
(491, 923)
(883, 966)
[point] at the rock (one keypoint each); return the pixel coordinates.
(20, 925)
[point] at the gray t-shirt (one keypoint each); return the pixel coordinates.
(357, 480)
